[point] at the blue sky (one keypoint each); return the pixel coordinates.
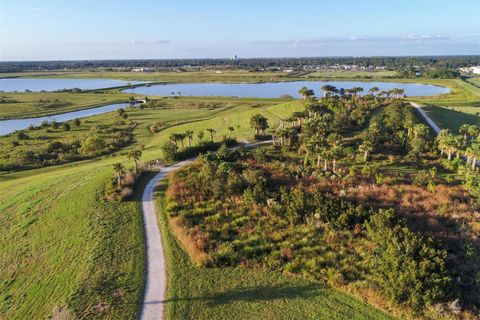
(121, 29)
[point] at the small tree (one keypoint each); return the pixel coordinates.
(77, 122)
(119, 170)
(189, 135)
(230, 131)
(66, 126)
(212, 132)
(200, 136)
(135, 155)
(259, 123)
(169, 149)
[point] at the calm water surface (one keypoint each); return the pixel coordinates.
(276, 89)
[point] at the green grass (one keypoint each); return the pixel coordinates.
(189, 76)
(241, 293)
(26, 104)
(461, 105)
(60, 244)
(327, 74)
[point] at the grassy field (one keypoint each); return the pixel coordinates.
(60, 244)
(187, 76)
(351, 74)
(460, 106)
(36, 104)
(241, 293)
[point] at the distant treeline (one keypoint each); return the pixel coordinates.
(394, 63)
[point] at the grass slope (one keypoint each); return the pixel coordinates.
(241, 293)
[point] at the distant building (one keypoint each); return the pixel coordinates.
(474, 70)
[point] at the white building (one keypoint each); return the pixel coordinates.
(474, 70)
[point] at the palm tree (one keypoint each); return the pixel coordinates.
(328, 89)
(174, 138)
(335, 142)
(181, 137)
(135, 155)
(464, 130)
(230, 131)
(474, 152)
(366, 148)
(374, 90)
(305, 93)
(473, 131)
(189, 135)
(212, 132)
(118, 167)
(259, 123)
(200, 136)
(446, 142)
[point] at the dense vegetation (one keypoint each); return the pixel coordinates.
(390, 62)
(314, 205)
(28, 148)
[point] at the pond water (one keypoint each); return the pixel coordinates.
(39, 84)
(9, 126)
(277, 89)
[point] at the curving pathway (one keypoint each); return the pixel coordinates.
(156, 281)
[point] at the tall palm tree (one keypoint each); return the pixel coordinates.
(135, 155)
(366, 148)
(181, 137)
(374, 90)
(335, 142)
(174, 138)
(212, 132)
(119, 169)
(200, 136)
(189, 135)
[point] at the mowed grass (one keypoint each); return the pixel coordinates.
(62, 244)
(241, 293)
(461, 105)
(186, 76)
(327, 74)
(28, 104)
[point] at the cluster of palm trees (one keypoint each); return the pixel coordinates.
(466, 144)
(329, 91)
(119, 168)
(179, 138)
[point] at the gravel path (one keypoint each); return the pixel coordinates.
(156, 282)
(429, 120)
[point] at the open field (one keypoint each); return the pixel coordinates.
(37, 104)
(241, 293)
(351, 74)
(460, 106)
(187, 76)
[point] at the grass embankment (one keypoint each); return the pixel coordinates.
(450, 111)
(37, 104)
(241, 293)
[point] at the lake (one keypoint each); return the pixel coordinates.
(40, 84)
(277, 89)
(9, 126)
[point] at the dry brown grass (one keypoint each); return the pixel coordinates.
(190, 242)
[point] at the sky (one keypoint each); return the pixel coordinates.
(157, 29)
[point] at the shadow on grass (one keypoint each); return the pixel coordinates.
(257, 293)
(451, 119)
